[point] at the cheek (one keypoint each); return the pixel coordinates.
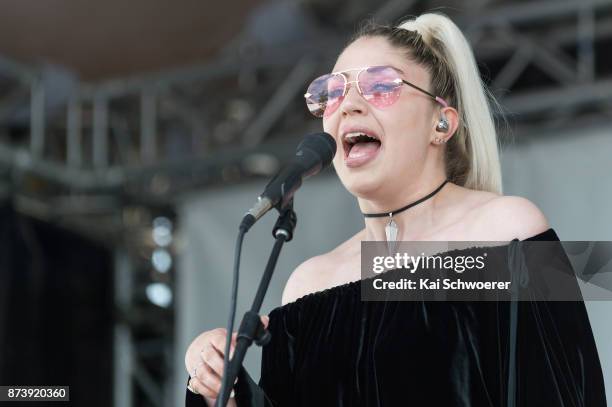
(406, 144)
(330, 127)
(407, 129)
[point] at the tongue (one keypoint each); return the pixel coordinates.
(361, 149)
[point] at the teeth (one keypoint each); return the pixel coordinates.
(352, 137)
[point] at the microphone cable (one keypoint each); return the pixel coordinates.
(233, 303)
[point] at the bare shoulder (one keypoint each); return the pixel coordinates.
(303, 280)
(324, 271)
(512, 217)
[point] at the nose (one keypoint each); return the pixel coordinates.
(353, 102)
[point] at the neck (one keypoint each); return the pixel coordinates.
(412, 222)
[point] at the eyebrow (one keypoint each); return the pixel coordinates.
(392, 66)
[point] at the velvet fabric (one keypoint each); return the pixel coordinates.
(329, 348)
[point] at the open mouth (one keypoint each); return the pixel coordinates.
(358, 144)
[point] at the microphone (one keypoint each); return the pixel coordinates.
(314, 153)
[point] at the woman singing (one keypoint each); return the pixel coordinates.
(417, 147)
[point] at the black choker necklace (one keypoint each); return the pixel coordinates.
(391, 230)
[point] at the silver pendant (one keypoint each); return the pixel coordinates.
(391, 233)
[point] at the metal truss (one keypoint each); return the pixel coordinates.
(105, 156)
(148, 138)
(562, 42)
(144, 322)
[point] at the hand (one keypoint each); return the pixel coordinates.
(204, 361)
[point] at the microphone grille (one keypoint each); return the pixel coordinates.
(322, 143)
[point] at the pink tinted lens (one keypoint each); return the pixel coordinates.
(325, 94)
(380, 85)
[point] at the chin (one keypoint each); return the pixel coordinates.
(362, 186)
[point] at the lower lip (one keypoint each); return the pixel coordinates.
(354, 162)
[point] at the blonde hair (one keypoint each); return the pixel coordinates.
(436, 43)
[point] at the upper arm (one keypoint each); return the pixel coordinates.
(301, 280)
(515, 217)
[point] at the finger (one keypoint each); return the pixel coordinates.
(207, 370)
(202, 389)
(265, 320)
(195, 372)
(192, 356)
(212, 382)
(233, 344)
(213, 359)
(219, 345)
(211, 395)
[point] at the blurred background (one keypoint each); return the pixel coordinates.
(135, 134)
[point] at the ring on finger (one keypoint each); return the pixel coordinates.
(192, 389)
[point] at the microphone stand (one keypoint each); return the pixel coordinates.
(251, 328)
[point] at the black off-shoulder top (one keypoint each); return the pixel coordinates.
(329, 348)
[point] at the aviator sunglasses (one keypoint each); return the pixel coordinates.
(378, 85)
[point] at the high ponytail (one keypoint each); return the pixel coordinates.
(436, 43)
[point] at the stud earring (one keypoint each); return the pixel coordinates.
(439, 140)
